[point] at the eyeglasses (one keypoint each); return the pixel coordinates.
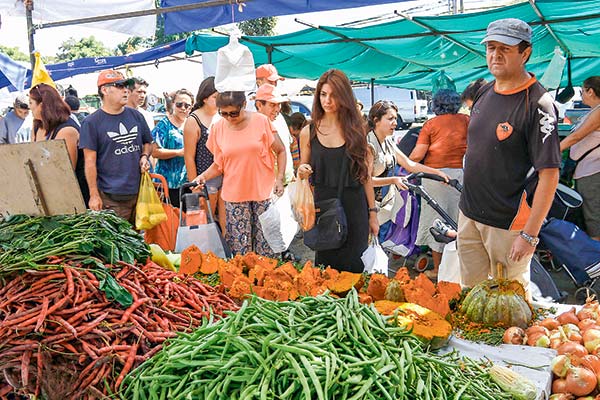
(23, 106)
(181, 104)
(230, 114)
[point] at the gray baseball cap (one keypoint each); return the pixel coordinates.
(510, 31)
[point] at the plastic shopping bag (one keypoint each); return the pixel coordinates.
(449, 266)
(278, 224)
(303, 203)
(148, 210)
(374, 258)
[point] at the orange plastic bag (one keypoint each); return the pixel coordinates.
(303, 203)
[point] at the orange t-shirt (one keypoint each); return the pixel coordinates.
(446, 136)
(246, 159)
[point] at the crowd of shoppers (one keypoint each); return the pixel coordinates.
(245, 150)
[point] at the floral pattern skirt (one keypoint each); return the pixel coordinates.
(243, 232)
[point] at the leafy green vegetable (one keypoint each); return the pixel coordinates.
(27, 242)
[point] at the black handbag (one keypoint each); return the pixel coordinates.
(331, 226)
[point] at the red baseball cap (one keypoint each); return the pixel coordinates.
(268, 92)
(112, 76)
(268, 72)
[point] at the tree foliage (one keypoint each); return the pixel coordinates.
(258, 27)
(72, 49)
(14, 53)
(133, 44)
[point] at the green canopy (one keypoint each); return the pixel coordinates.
(405, 53)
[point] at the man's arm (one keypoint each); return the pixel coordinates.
(542, 201)
(3, 131)
(144, 158)
(91, 176)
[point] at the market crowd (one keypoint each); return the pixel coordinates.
(244, 149)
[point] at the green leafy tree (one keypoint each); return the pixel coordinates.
(258, 27)
(14, 53)
(72, 49)
(132, 44)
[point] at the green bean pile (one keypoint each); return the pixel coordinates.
(315, 348)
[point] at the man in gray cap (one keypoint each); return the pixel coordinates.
(16, 126)
(512, 162)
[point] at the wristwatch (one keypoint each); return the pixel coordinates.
(374, 209)
(532, 240)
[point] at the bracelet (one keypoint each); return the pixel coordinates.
(144, 155)
(374, 209)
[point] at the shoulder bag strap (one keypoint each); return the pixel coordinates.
(342, 176)
(587, 153)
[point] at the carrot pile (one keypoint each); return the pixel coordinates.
(61, 338)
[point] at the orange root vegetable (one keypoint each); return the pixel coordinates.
(550, 324)
(572, 348)
(514, 335)
(568, 317)
(191, 260)
(580, 381)
(560, 365)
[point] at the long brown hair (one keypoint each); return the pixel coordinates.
(54, 109)
(352, 123)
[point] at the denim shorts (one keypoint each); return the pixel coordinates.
(214, 185)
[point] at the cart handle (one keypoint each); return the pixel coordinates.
(164, 184)
(189, 185)
(452, 182)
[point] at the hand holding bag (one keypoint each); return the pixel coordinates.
(331, 226)
(374, 258)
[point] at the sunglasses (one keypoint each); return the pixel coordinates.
(118, 85)
(181, 104)
(230, 114)
(383, 103)
(23, 106)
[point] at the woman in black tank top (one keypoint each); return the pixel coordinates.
(52, 121)
(337, 132)
(195, 134)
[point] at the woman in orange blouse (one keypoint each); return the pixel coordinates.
(244, 145)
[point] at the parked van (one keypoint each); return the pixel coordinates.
(412, 104)
(302, 104)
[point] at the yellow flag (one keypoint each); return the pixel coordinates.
(40, 75)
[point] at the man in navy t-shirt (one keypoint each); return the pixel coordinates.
(116, 143)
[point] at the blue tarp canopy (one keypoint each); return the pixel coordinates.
(407, 52)
(93, 64)
(216, 15)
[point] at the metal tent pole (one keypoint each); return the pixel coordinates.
(30, 31)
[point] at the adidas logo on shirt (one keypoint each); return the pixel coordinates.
(125, 137)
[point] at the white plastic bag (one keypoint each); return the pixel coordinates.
(374, 258)
(278, 224)
(450, 266)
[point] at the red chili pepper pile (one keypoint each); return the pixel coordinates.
(61, 338)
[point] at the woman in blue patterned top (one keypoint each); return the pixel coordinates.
(168, 136)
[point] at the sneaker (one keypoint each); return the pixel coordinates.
(441, 227)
